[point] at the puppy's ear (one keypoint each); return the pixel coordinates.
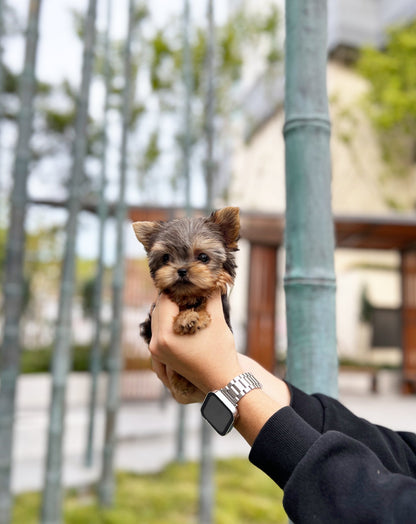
(228, 219)
(146, 232)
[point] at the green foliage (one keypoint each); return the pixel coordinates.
(391, 100)
(151, 153)
(59, 121)
(162, 51)
(366, 308)
(11, 80)
(244, 495)
(88, 290)
(232, 39)
(40, 360)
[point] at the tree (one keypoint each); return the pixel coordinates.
(391, 99)
(13, 287)
(52, 496)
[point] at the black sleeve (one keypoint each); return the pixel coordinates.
(330, 477)
(396, 450)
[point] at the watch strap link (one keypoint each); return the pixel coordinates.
(239, 386)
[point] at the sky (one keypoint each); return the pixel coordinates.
(59, 57)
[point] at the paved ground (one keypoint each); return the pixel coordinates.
(147, 429)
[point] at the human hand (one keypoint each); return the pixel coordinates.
(207, 359)
(184, 395)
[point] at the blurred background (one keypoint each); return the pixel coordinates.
(181, 111)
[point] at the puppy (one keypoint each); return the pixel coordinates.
(189, 259)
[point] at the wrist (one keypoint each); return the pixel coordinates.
(221, 378)
(255, 409)
(220, 407)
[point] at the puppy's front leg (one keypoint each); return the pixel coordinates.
(189, 321)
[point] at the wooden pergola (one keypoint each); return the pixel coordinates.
(265, 232)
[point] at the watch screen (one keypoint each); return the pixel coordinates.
(217, 414)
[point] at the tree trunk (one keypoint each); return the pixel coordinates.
(52, 495)
(14, 270)
(310, 278)
(107, 485)
(96, 351)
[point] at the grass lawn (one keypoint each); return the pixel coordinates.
(244, 495)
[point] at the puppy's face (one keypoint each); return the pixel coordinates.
(190, 257)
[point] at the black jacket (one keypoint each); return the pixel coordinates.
(336, 467)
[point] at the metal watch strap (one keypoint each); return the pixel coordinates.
(240, 386)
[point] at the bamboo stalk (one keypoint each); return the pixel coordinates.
(310, 277)
(1, 89)
(14, 271)
(51, 511)
(96, 352)
(206, 477)
(106, 487)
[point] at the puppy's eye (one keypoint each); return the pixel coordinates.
(165, 258)
(203, 258)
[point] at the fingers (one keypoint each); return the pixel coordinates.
(169, 378)
(183, 395)
(160, 370)
(207, 359)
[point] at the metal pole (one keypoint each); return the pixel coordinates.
(310, 278)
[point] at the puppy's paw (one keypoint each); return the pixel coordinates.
(190, 321)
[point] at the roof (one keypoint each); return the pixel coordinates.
(389, 232)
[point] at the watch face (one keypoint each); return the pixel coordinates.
(217, 414)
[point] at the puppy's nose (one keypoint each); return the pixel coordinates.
(182, 272)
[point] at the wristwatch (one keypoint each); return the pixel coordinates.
(220, 407)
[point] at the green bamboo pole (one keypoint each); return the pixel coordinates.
(209, 108)
(206, 475)
(96, 353)
(310, 278)
(107, 485)
(51, 511)
(1, 90)
(186, 156)
(187, 82)
(14, 272)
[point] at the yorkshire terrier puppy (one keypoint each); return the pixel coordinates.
(189, 259)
